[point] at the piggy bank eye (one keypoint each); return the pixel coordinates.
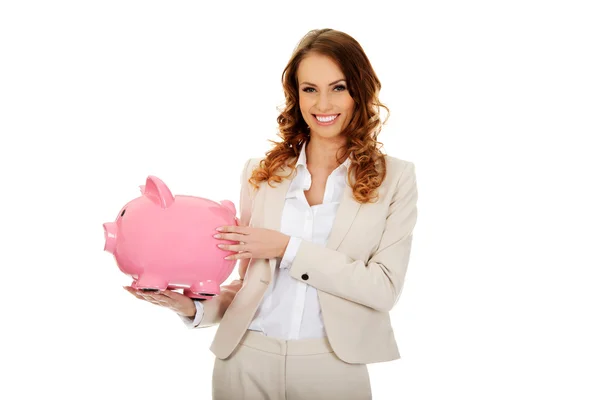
(123, 213)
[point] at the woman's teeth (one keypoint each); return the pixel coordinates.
(327, 119)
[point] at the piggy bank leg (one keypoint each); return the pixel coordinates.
(203, 290)
(199, 296)
(150, 282)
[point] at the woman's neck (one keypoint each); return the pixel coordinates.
(321, 154)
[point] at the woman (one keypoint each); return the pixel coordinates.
(324, 252)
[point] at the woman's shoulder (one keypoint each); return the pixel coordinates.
(397, 164)
(252, 163)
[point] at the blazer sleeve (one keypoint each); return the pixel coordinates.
(378, 282)
(213, 309)
(194, 322)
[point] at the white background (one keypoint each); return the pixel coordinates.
(496, 103)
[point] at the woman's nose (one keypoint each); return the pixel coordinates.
(323, 103)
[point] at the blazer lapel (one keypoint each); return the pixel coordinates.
(274, 200)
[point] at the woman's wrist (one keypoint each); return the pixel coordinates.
(189, 312)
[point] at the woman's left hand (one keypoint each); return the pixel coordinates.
(254, 242)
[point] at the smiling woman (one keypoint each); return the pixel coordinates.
(320, 252)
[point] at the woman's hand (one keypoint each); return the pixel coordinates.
(175, 301)
(254, 242)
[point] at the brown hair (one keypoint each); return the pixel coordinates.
(367, 161)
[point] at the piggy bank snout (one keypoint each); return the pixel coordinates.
(110, 236)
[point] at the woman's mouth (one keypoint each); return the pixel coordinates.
(325, 120)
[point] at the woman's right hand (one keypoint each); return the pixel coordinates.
(175, 301)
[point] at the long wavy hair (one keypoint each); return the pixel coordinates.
(367, 160)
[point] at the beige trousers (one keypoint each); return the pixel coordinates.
(266, 368)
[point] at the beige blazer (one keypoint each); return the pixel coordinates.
(359, 275)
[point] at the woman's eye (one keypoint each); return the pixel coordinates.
(309, 89)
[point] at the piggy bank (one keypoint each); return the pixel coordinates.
(166, 242)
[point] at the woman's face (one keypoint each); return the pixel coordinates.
(325, 102)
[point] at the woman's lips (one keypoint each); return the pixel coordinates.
(328, 121)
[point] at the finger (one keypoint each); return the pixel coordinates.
(242, 229)
(149, 297)
(155, 295)
(234, 237)
(162, 297)
(143, 296)
(153, 300)
(163, 302)
(167, 302)
(234, 247)
(239, 256)
(171, 294)
(159, 297)
(129, 289)
(134, 293)
(139, 296)
(149, 300)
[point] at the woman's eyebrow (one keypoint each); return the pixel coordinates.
(332, 83)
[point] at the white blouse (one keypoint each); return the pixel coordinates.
(290, 308)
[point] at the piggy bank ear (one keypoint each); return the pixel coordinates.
(157, 191)
(229, 205)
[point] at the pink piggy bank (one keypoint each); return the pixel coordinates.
(165, 242)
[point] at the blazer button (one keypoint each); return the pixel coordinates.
(305, 277)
